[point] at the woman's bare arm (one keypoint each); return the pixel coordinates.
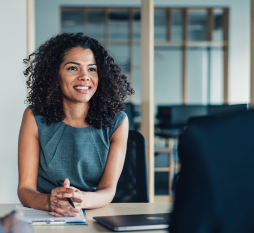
(107, 186)
(28, 161)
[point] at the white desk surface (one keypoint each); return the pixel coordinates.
(93, 226)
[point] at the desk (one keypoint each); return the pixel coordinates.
(93, 226)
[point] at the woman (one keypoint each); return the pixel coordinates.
(74, 128)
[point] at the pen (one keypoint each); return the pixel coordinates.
(71, 202)
(68, 199)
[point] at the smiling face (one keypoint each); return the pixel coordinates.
(78, 75)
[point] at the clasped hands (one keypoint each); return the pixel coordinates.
(59, 205)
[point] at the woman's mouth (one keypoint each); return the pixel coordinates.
(83, 89)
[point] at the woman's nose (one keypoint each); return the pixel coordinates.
(83, 77)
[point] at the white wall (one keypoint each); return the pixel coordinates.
(12, 94)
(48, 24)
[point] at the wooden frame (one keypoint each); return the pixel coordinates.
(30, 31)
(184, 56)
(147, 81)
(225, 55)
(147, 43)
(30, 27)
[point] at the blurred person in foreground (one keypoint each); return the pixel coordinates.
(215, 191)
(11, 224)
(75, 126)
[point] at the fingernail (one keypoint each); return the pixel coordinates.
(55, 201)
(59, 195)
(53, 208)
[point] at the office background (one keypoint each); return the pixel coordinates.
(13, 44)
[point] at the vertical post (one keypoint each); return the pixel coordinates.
(147, 81)
(184, 56)
(209, 37)
(252, 54)
(30, 30)
(225, 55)
(131, 48)
(30, 27)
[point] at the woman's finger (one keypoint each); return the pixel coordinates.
(66, 209)
(67, 195)
(72, 195)
(55, 214)
(63, 202)
(59, 210)
(77, 200)
(66, 190)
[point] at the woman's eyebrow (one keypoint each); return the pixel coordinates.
(72, 62)
(92, 65)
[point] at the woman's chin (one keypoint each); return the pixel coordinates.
(83, 100)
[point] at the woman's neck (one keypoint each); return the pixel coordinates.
(75, 114)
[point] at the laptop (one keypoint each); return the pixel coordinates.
(135, 222)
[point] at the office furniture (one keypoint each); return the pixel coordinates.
(132, 185)
(174, 118)
(130, 111)
(109, 210)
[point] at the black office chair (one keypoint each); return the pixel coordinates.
(133, 186)
(129, 110)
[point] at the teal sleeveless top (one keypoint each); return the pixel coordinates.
(79, 154)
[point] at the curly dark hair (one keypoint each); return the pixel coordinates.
(45, 95)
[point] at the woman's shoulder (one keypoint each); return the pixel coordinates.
(120, 116)
(118, 119)
(28, 114)
(31, 110)
(28, 121)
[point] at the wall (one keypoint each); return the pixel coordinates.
(12, 94)
(48, 24)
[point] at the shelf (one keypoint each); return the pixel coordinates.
(162, 169)
(161, 151)
(163, 199)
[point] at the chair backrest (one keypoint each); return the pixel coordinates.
(132, 185)
(129, 110)
(226, 109)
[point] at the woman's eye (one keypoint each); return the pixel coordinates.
(92, 69)
(72, 68)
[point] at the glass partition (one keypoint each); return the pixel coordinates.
(197, 25)
(96, 24)
(160, 25)
(119, 25)
(218, 25)
(177, 25)
(72, 21)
